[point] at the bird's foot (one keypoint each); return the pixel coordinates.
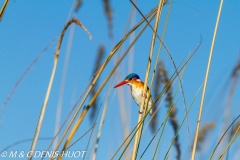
(144, 95)
(139, 112)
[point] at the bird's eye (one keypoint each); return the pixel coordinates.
(130, 79)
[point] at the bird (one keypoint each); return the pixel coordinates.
(136, 87)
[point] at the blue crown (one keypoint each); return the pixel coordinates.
(132, 75)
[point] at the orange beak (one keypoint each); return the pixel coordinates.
(121, 83)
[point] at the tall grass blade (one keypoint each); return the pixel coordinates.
(63, 81)
(173, 117)
(205, 81)
(3, 9)
(92, 130)
(171, 109)
(98, 61)
(223, 136)
(167, 154)
(101, 123)
(137, 138)
(155, 118)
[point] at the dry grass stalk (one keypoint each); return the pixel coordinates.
(157, 82)
(234, 77)
(169, 99)
(91, 134)
(220, 140)
(108, 12)
(203, 133)
(3, 9)
(205, 82)
(157, 86)
(234, 137)
(63, 81)
(138, 134)
(98, 61)
(235, 128)
(236, 69)
(179, 128)
(56, 54)
(101, 123)
(82, 135)
(90, 88)
(78, 5)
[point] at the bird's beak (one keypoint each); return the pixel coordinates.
(121, 83)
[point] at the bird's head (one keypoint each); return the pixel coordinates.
(130, 79)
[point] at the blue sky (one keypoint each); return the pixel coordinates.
(28, 26)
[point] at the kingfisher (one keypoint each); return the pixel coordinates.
(136, 87)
